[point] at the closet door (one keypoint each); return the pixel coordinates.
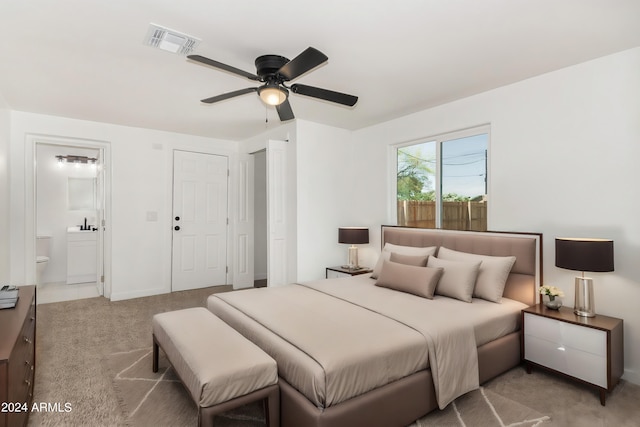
(281, 208)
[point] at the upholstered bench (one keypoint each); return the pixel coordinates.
(220, 368)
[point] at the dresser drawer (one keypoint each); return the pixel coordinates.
(17, 355)
(566, 334)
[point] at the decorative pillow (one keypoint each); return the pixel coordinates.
(403, 250)
(420, 281)
(417, 260)
(493, 273)
(458, 278)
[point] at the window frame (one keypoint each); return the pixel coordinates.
(439, 139)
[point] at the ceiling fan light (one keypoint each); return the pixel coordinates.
(273, 95)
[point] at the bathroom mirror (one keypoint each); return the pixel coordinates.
(82, 194)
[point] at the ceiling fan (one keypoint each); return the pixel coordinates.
(274, 71)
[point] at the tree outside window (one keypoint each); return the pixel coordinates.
(442, 183)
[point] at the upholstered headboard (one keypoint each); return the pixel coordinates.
(526, 274)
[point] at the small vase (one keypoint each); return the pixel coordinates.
(553, 303)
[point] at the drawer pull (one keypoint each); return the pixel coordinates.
(27, 340)
(26, 362)
(27, 382)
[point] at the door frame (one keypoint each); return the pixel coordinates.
(104, 147)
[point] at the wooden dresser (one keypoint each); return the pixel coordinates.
(17, 358)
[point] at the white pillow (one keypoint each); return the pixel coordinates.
(458, 278)
(403, 250)
(493, 273)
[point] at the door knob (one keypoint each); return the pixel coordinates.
(177, 227)
(177, 218)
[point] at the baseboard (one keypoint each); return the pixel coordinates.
(120, 296)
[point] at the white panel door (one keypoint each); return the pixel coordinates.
(243, 274)
(199, 220)
(277, 210)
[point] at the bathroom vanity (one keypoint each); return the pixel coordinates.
(81, 255)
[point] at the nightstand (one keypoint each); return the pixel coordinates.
(587, 349)
(333, 272)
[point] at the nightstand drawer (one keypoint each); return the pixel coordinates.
(579, 364)
(566, 334)
(331, 274)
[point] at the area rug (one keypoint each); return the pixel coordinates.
(159, 399)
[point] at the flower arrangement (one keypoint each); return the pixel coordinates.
(552, 291)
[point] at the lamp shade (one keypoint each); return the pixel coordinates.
(353, 235)
(584, 254)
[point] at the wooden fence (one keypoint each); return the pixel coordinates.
(455, 215)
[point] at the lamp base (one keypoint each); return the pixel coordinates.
(353, 258)
(584, 304)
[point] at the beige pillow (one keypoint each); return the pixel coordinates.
(420, 281)
(492, 275)
(417, 260)
(403, 250)
(458, 278)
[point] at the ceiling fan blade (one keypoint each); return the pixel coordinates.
(302, 63)
(284, 111)
(222, 66)
(327, 95)
(229, 95)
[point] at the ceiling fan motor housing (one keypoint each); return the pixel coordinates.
(268, 65)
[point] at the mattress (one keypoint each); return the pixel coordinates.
(339, 338)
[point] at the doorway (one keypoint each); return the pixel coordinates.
(69, 209)
(200, 220)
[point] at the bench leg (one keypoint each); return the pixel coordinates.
(155, 354)
(269, 395)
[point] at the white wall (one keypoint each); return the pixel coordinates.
(5, 124)
(563, 161)
(326, 168)
(141, 169)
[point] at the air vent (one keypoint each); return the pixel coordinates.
(170, 40)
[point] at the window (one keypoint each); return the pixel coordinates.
(442, 181)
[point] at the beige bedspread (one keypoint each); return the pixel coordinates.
(453, 329)
(331, 349)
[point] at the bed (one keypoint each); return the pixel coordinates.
(353, 353)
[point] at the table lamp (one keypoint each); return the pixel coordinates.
(578, 254)
(353, 236)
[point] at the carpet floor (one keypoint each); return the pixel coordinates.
(78, 343)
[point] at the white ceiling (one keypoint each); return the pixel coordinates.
(86, 59)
